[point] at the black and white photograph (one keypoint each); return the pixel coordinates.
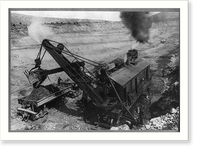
(94, 70)
(99, 71)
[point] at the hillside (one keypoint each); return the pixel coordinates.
(28, 19)
(165, 16)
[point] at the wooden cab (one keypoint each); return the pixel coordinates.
(131, 81)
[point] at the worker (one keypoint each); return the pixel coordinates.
(60, 48)
(59, 80)
(78, 66)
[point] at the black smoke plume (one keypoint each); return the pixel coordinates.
(138, 23)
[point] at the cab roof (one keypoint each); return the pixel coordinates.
(125, 74)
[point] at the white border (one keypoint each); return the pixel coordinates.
(182, 135)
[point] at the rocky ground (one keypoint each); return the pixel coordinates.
(169, 121)
(101, 41)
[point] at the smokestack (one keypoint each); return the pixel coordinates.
(138, 23)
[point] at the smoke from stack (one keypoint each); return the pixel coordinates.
(138, 23)
(38, 31)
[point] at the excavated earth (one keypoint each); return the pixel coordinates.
(100, 41)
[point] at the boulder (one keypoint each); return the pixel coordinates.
(114, 128)
(122, 127)
(173, 110)
(157, 119)
(148, 127)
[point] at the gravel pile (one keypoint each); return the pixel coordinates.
(38, 93)
(164, 122)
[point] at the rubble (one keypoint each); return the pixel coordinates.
(33, 127)
(50, 126)
(38, 93)
(122, 127)
(164, 122)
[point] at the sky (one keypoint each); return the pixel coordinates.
(97, 15)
